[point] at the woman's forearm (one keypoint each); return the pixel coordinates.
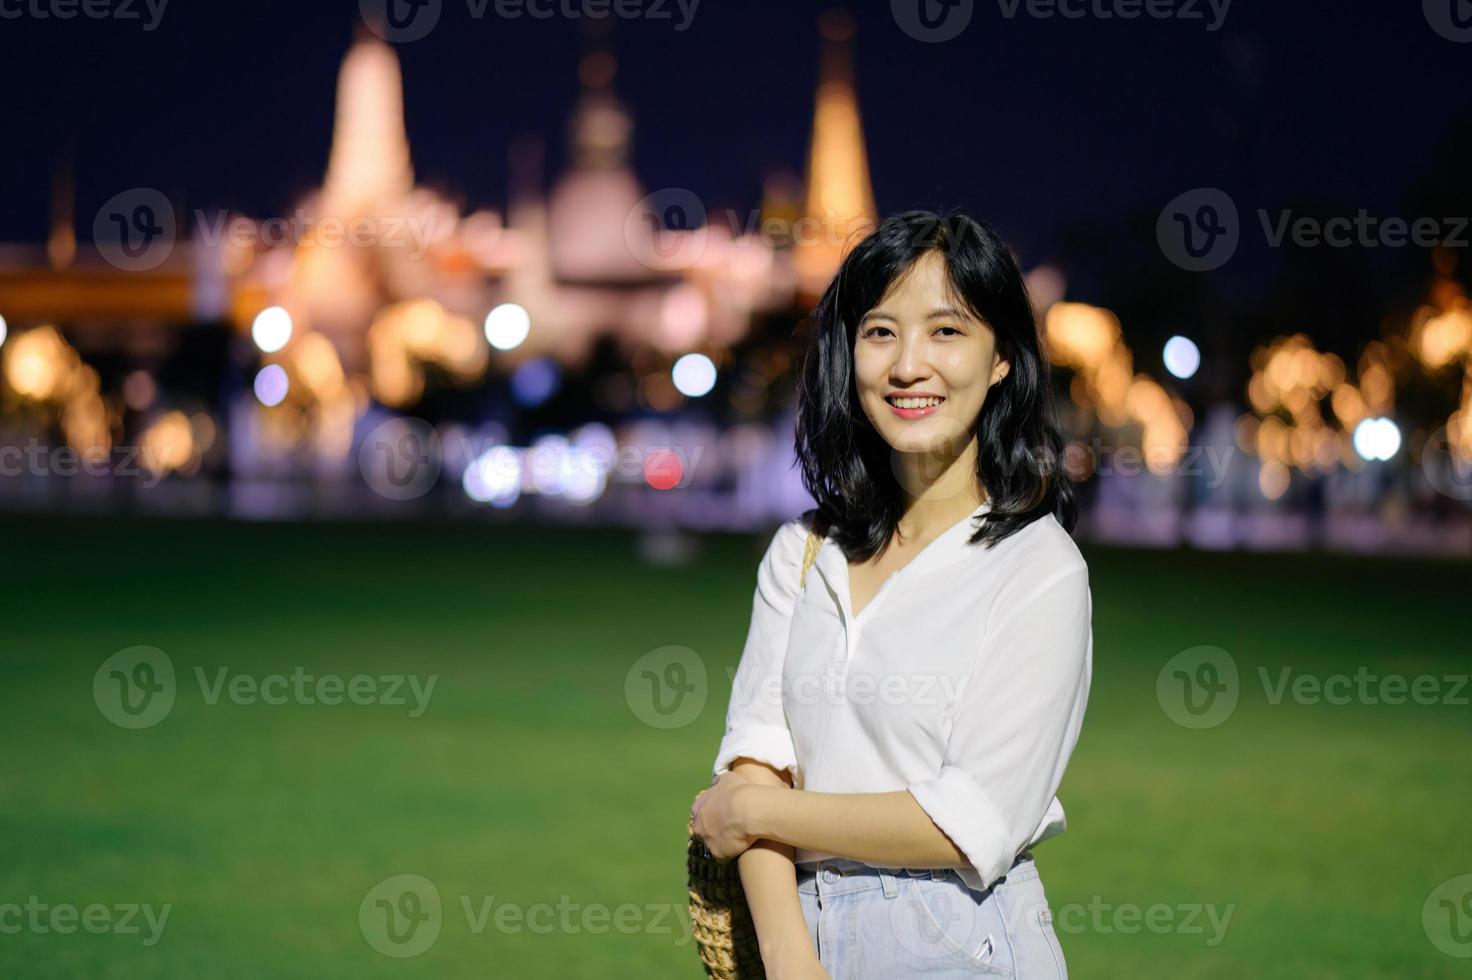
(769, 879)
(886, 829)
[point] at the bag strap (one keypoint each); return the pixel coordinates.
(809, 555)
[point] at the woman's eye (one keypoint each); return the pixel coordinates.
(948, 331)
(877, 332)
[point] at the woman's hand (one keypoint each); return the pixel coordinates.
(718, 816)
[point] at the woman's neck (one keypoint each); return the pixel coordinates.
(939, 491)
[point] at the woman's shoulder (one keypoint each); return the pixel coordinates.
(781, 566)
(796, 529)
(1039, 552)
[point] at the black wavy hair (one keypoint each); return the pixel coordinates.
(846, 464)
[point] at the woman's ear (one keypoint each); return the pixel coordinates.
(999, 371)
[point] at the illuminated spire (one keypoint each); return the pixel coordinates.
(588, 211)
(369, 166)
(839, 208)
(601, 127)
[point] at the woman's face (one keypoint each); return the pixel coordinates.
(922, 365)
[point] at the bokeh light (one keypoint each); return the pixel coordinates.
(535, 381)
(694, 375)
(663, 470)
(507, 326)
(1377, 439)
(271, 385)
(1182, 357)
(271, 329)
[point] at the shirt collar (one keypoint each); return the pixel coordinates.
(947, 549)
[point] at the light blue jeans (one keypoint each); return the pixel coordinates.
(869, 922)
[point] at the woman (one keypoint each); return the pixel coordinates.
(904, 710)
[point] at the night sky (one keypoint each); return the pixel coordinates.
(1035, 124)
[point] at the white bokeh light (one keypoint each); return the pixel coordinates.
(271, 329)
(494, 477)
(507, 326)
(694, 375)
(4, 329)
(1182, 356)
(1376, 439)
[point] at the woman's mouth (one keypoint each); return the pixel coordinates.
(913, 406)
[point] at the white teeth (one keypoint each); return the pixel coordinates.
(929, 402)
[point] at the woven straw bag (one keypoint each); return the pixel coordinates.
(724, 933)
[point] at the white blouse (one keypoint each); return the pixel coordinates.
(962, 681)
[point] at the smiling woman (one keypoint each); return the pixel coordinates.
(901, 718)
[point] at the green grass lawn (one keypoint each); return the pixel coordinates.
(529, 782)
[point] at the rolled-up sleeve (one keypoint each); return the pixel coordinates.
(756, 724)
(1016, 722)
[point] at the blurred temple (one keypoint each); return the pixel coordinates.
(601, 351)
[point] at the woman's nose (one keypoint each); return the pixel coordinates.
(911, 362)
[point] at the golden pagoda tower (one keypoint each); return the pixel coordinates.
(839, 206)
(337, 289)
(369, 167)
